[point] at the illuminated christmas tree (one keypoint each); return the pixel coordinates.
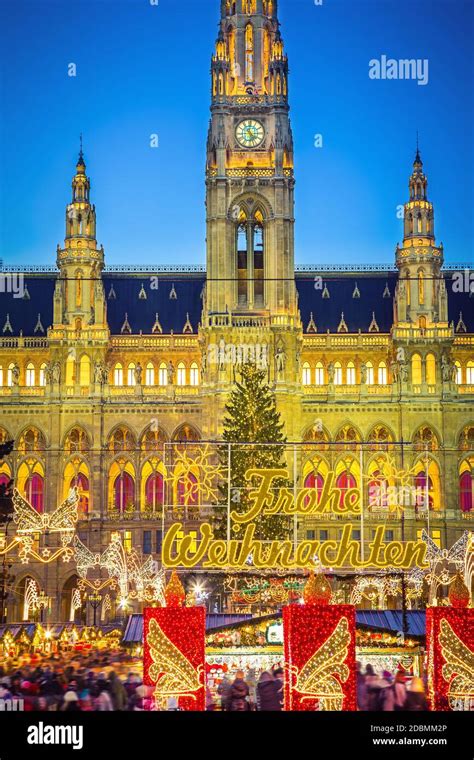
(252, 425)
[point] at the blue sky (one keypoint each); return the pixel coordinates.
(144, 69)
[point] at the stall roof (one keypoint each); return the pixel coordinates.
(381, 620)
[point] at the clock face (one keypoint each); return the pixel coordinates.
(250, 133)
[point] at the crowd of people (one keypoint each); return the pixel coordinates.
(75, 682)
(247, 693)
(113, 681)
(389, 692)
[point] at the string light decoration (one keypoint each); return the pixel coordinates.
(174, 591)
(62, 520)
(317, 589)
(271, 591)
(319, 645)
(450, 646)
(174, 655)
(197, 475)
(441, 561)
(376, 588)
(459, 595)
(137, 578)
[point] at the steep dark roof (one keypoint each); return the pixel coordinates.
(23, 312)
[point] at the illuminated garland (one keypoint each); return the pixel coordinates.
(450, 645)
(174, 655)
(320, 657)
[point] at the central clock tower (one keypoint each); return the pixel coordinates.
(250, 305)
(249, 172)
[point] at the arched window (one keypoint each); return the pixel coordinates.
(337, 373)
(154, 491)
(70, 371)
(345, 482)
(377, 491)
(31, 440)
(242, 260)
(258, 258)
(118, 375)
(350, 374)
(150, 374)
(458, 376)
(42, 375)
(419, 225)
(78, 289)
(425, 438)
(34, 491)
(382, 374)
(466, 486)
(319, 374)
(194, 374)
(30, 375)
(1, 375)
(163, 374)
(11, 367)
(76, 440)
(421, 287)
(121, 440)
(81, 481)
(408, 286)
(316, 481)
(306, 374)
(124, 491)
(131, 379)
(431, 369)
(427, 484)
(416, 377)
(470, 373)
(84, 371)
(370, 373)
(249, 55)
(181, 374)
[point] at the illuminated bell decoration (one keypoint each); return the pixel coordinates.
(174, 592)
(459, 595)
(317, 589)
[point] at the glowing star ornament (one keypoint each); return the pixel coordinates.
(174, 591)
(459, 595)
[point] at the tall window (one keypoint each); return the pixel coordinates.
(345, 482)
(131, 379)
(458, 375)
(319, 375)
(1, 376)
(258, 253)
(34, 491)
(154, 491)
(242, 261)
(84, 371)
(470, 373)
(416, 369)
(30, 375)
(163, 374)
(194, 374)
(306, 374)
(466, 489)
(421, 287)
(82, 483)
(382, 374)
(124, 491)
(10, 374)
(181, 374)
(370, 373)
(118, 375)
(249, 55)
(42, 375)
(350, 374)
(337, 374)
(431, 369)
(150, 374)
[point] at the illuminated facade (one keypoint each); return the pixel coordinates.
(101, 369)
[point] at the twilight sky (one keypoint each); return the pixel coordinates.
(144, 69)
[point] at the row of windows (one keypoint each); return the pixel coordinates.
(164, 375)
(419, 369)
(348, 375)
(125, 492)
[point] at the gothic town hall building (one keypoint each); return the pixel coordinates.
(103, 368)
